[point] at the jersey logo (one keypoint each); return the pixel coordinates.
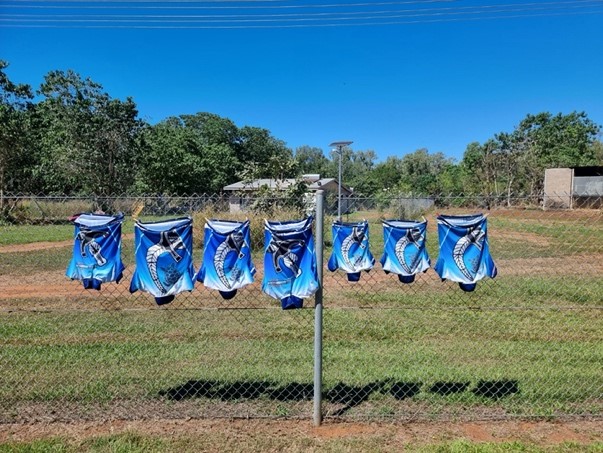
(282, 250)
(87, 238)
(474, 237)
(233, 243)
(170, 242)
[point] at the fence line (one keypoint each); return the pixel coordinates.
(528, 343)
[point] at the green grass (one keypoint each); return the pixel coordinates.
(213, 441)
(510, 292)
(25, 234)
(543, 331)
(100, 357)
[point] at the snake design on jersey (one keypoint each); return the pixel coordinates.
(282, 248)
(87, 237)
(355, 237)
(170, 242)
(412, 236)
(233, 243)
(475, 237)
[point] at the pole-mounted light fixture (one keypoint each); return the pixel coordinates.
(339, 150)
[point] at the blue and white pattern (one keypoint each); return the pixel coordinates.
(351, 252)
(96, 255)
(404, 251)
(227, 264)
(289, 262)
(164, 264)
(464, 250)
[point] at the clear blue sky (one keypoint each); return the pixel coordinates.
(438, 79)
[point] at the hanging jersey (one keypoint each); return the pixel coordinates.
(464, 250)
(227, 262)
(96, 257)
(289, 262)
(351, 251)
(163, 252)
(404, 251)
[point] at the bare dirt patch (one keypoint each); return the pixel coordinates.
(54, 284)
(34, 246)
(543, 433)
(522, 237)
(591, 264)
(44, 245)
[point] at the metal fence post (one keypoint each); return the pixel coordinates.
(318, 310)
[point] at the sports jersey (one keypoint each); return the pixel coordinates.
(404, 251)
(289, 262)
(163, 252)
(464, 250)
(227, 262)
(96, 257)
(351, 251)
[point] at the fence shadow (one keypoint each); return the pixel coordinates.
(496, 389)
(347, 395)
(232, 391)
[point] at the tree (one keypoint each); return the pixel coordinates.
(479, 169)
(387, 174)
(180, 160)
(15, 102)
(311, 160)
(356, 170)
(87, 141)
(421, 172)
(549, 141)
(515, 161)
(258, 146)
(597, 151)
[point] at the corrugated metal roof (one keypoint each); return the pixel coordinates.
(280, 184)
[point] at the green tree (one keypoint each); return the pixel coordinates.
(181, 160)
(479, 171)
(597, 151)
(547, 141)
(86, 141)
(514, 162)
(15, 103)
(258, 146)
(311, 160)
(387, 174)
(421, 172)
(357, 167)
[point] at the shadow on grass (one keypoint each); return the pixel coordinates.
(347, 395)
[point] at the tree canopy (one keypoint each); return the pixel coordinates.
(70, 136)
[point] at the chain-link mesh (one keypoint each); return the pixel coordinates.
(69, 353)
(527, 343)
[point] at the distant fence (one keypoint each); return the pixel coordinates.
(528, 343)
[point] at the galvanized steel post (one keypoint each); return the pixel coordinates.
(318, 310)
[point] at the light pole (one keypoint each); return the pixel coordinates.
(339, 150)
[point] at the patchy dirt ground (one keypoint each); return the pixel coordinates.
(396, 434)
(54, 284)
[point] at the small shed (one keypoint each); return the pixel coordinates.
(578, 187)
(242, 191)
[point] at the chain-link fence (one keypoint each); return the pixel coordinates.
(526, 343)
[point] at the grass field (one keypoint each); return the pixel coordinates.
(133, 443)
(529, 343)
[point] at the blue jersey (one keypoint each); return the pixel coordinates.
(351, 251)
(164, 264)
(464, 250)
(227, 262)
(96, 255)
(404, 251)
(289, 262)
